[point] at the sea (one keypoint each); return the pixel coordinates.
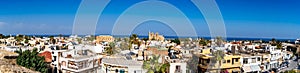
(175, 37)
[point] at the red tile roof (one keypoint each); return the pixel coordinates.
(47, 55)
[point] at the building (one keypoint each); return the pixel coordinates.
(8, 54)
(104, 38)
(231, 63)
(177, 65)
(78, 60)
(121, 65)
(251, 63)
(155, 36)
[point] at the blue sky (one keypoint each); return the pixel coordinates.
(243, 18)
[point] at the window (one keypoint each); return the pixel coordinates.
(117, 70)
(253, 60)
(237, 60)
(258, 59)
(228, 61)
(54, 58)
(178, 69)
(245, 61)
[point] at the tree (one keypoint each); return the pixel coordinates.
(279, 45)
(203, 42)
(273, 42)
(177, 41)
(60, 35)
(26, 41)
(219, 40)
(134, 40)
(152, 66)
(19, 38)
(1, 36)
(52, 40)
(145, 39)
(111, 49)
(218, 57)
(133, 36)
(164, 68)
(31, 60)
(193, 63)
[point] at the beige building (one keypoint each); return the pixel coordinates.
(155, 36)
(104, 39)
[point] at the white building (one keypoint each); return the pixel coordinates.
(121, 65)
(79, 60)
(251, 63)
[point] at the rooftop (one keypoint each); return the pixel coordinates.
(7, 53)
(121, 62)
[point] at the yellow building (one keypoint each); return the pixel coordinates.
(230, 63)
(104, 39)
(155, 36)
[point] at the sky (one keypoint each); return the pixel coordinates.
(242, 18)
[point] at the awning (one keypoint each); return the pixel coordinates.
(255, 68)
(247, 69)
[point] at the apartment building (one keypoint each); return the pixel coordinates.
(251, 63)
(230, 63)
(79, 60)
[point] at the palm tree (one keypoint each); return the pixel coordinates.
(219, 40)
(203, 42)
(164, 68)
(192, 63)
(153, 65)
(218, 57)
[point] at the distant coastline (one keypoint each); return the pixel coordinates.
(173, 37)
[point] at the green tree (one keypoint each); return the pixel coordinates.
(152, 66)
(219, 40)
(1, 36)
(218, 57)
(164, 68)
(145, 39)
(134, 40)
(31, 60)
(203, 42)
(177, 41)
(19, 38)
(273, 42)
(192, 63)
(26, 41)
(133, 36)
(52, 40)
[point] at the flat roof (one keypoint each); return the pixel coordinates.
(121, 62)
(7, 53)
